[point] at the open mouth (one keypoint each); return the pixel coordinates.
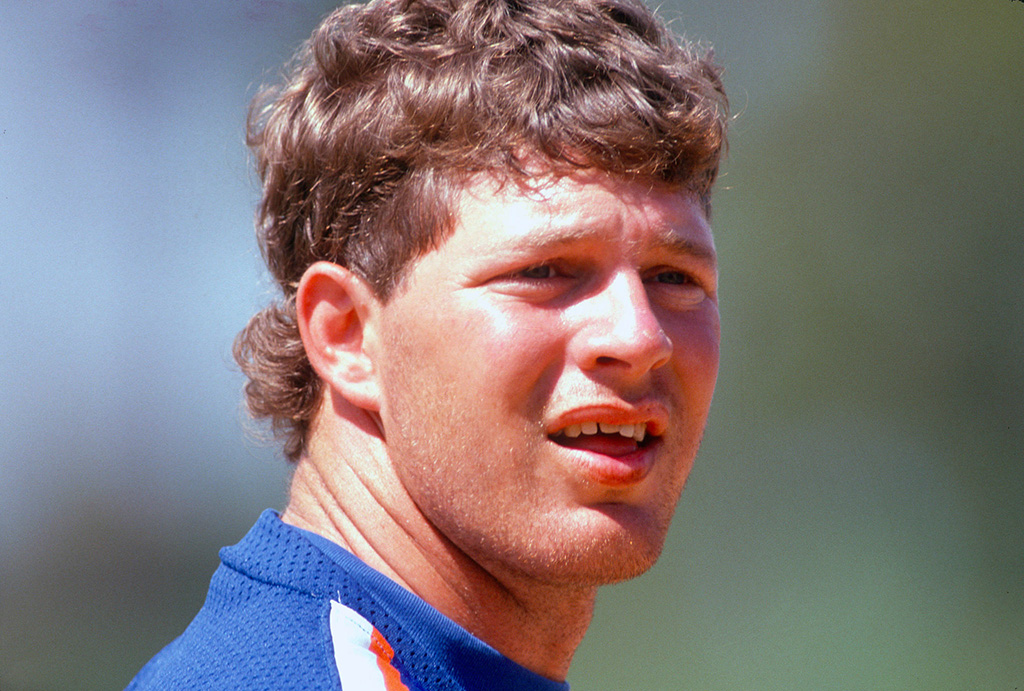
(603, 438)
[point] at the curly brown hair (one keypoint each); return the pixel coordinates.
(391, 105)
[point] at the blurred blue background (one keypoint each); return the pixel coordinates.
(856, 518)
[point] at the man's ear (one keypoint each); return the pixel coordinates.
(333, 307)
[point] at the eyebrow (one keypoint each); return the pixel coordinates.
(670, 241)
(665, 239)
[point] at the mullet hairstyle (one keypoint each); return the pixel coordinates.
(390, 106)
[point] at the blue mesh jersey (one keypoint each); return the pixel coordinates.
(288, 609)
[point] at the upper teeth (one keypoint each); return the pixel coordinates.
(636, 432)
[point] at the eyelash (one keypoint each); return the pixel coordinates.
(529, 272)
(684, 278)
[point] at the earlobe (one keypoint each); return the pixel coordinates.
(333, 307)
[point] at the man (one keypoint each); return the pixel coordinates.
(496, 348)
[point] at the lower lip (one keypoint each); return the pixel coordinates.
(615, 470)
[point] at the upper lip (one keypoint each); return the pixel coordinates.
(651, 413)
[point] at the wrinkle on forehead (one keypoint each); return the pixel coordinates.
(554, 217)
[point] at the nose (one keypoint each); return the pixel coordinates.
(620, 329)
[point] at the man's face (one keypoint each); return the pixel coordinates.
(584, 304)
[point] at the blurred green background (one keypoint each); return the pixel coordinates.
(856, 518)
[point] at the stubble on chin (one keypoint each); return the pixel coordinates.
(488, 497)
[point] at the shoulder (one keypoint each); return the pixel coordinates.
(264, 623)
(253, 636)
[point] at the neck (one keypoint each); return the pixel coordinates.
(350, 494)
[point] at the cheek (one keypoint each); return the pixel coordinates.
(695, 350)
(519, 348)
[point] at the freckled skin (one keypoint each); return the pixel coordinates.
(587, 297)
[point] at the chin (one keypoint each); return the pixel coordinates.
(608, 546)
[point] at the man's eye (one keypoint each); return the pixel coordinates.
(541, 271)
(675, 278)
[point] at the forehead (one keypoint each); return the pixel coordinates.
(550, 210)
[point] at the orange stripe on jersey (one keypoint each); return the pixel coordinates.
(382, 649)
